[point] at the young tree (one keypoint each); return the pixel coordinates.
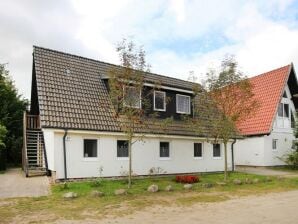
(131, 102)
(231, 92)
(11, 116)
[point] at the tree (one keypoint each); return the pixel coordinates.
(131, 102)
(231, 92)
(11, 117)
(3, 132)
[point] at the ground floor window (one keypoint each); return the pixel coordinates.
(90, 148)
(216, 150)
(122, 148)
(198, 153)
(274, 144)
(164, 149)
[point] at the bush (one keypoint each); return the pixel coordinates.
(187, 179)
(291, 159)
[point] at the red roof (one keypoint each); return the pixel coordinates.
(268, 89)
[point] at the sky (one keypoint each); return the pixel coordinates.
(179, 36)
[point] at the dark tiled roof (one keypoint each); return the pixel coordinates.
(72, 95)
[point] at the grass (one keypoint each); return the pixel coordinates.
(2, 171)
(285, 168)
(53, 207)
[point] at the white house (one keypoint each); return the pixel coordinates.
(71, 131)
(269, 132)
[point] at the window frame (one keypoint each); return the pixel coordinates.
(274, 144)
(202, 150)
(182, 112)
(164, 158)
(122, 157)
(220, 151)
(140, 101)
(90, 159)
(164, 101)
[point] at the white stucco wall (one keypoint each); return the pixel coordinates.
(145, 156)
(258, 151)
(49, 144)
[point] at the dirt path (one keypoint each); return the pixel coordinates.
(271, 208)
(13, 183)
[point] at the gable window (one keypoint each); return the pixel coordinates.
(198, 153)
(284, 95)
(132, 97)
(182, 104)
(164, 149)
(283, 110)
(90, 148)
(216, 150)
(274, 144)
(159, 101)
(122, 148)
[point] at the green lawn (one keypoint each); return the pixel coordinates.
(53, 207)
(285, 168)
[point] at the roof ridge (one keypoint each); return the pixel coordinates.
(274, 70)
(107, 63)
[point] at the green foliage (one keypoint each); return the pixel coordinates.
(11, 116)
(291, 159)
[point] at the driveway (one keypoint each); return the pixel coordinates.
(13, 183)
(266, 171)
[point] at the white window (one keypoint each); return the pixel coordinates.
(182, 104)
(122, 148)
(216, 151)
(198, 150)
(283, 110)
(164, 150)
(132, 97)
(90, 148)
(159, 101)
(274, 144)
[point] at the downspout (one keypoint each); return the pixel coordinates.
(232, 147)
(64, 154)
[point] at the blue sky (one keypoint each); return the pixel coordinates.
(179, 36)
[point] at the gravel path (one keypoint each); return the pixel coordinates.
(271, 208)
(13, 183)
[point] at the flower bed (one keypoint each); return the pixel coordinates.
(187, 179)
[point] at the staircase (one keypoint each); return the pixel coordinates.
(34, 152)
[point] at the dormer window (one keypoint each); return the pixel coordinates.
(159, 101)
(182, 104)
(132, 97)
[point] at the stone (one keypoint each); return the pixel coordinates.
(237, 182)
(221, 183)
(70, 195)
(97, 194)
(187, 186)
(169, 188)
(153, 188)
(280, 178)
(120, 192)
(268, 179)
(207, 185)
(256, 180)
(248, 181)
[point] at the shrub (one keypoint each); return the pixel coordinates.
(291, 159)
(187, 179)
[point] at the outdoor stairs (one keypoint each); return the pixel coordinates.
(34, 156)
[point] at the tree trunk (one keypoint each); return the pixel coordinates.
(130, 162)
(226, 161)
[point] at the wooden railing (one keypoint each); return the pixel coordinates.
(32, 122)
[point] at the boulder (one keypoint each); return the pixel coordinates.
(207, 185)
(169, 188)
(268, 179)
(153, 188)
(237, 182)
(256, 180)
(70, 195)
(187, 186)
(120, 192)
(221, 183)
(97, 194)
(248, 181)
